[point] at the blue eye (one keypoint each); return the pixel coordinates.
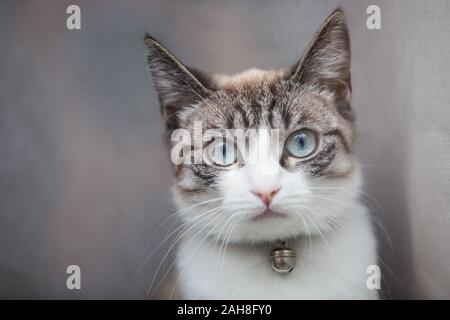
(221, 153)
(301, 143)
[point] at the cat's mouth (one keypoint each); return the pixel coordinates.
(268, 214)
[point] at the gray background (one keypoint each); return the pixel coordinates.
(84, 175)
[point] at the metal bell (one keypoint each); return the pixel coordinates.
(283, 259)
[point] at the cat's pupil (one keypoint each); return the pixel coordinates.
(224, 150)
(221, 154)
(301, 141)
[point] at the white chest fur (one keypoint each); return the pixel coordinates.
(334, 268)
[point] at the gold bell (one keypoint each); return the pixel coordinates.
(283, 259)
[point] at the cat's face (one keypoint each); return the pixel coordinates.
(295, 172)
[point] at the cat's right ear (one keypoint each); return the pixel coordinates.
(326, 62)
(178, 86)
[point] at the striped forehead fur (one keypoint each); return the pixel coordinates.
(314, 93)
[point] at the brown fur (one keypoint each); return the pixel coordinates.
(314, 94)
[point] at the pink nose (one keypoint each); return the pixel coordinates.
(266, 197)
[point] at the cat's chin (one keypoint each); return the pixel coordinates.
(268, 214)
(267, 226)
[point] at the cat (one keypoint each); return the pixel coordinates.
(304, 196)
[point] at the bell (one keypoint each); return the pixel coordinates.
(283, 259)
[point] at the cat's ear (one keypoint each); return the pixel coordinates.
(326, 62)
(178, 86)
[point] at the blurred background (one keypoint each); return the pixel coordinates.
(85, 176)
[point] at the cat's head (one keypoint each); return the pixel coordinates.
(300, 185)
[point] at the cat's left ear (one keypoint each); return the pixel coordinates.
(326, 62)
(178, 86)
